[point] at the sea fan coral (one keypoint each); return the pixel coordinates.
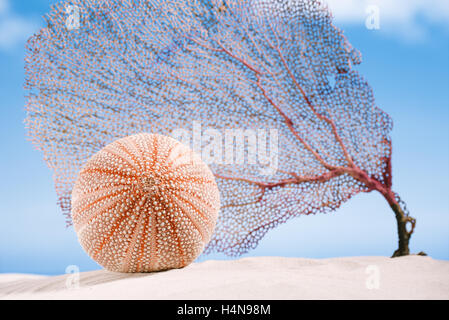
(155, 66)
(145, 203)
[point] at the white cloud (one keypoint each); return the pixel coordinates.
(4, 7)
(14, 29)
(406, 18)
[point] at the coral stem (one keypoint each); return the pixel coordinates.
(404, 235)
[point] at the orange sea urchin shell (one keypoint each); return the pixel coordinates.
(145, 203)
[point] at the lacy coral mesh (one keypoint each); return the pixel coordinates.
(153, 66)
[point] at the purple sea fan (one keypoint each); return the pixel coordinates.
(154, 66)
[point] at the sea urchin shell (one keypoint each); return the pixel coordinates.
(145, 203)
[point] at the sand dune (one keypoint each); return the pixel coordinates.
(412, 277)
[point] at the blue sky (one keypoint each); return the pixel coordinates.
(407, 63)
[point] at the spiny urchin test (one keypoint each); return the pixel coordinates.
(145, 203)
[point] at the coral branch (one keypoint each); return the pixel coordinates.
(309, 103)
(296, 180)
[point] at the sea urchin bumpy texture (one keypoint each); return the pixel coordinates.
(145, 203)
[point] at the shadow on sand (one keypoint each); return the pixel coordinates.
(66, 282)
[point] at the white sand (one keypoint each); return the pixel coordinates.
(412, 277)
